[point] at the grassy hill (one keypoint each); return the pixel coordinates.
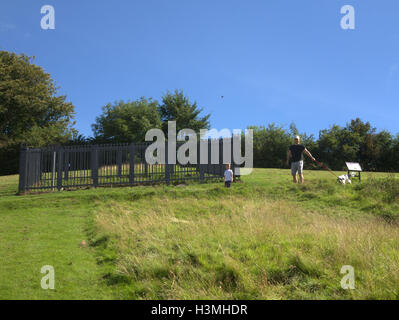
(265, 238)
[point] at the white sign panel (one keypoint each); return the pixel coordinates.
(353, 166)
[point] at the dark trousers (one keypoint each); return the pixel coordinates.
(227, 184)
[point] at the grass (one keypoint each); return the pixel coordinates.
(265, 238)
(46, 230)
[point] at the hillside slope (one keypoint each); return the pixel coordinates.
(265, 238)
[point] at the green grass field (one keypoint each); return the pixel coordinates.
(265, 238)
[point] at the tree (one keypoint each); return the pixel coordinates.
(79, 139)
(270, 145)
(394, 163)
(358, 142)
(30, 110)
(126, 122)
(332, 147)
(384, 152)
(177, 107)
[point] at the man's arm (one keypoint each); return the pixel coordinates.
(288, 157)
(309, 154)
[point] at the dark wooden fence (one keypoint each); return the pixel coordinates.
(58, 168)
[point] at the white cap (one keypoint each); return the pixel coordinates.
(298, 137)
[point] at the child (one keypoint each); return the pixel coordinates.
(228, 176)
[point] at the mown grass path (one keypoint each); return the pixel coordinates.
(47, 229)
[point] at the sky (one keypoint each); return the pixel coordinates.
(274, 61)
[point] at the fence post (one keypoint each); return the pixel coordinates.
(145, 168)
(221, 165)
(197, 167)
(166, 164)
(53, 163)
(202, 165)
(119, 160)
(210, 167)
(60, 152)
(66, 162)
(131, 164)
(232, 157)
(94, 165)
(23, 161)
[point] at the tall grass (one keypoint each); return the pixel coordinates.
(240, 248)
(386, 189)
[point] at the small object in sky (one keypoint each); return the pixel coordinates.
(222, 97)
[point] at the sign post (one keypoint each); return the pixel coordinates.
(354, 167)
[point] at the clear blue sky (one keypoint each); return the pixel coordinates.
(273, 61)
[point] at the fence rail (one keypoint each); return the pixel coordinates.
(58, 168)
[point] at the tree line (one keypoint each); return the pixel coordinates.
(33, 114)
(357, 141)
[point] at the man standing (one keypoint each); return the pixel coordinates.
(295, 152)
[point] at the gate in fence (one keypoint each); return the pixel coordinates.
(57, 168)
